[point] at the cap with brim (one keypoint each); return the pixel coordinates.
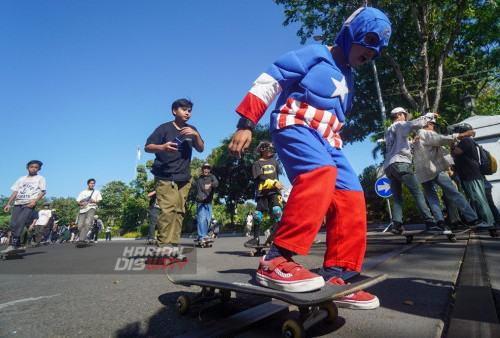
(206, 165)
(398, 110)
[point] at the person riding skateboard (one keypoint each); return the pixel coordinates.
(268, 196)
(315, 89)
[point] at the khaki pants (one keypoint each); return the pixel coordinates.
(84, 222)
(171, 197)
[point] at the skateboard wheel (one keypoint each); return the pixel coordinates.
(225, 295)
(292, 329)
(252, 254)
(452, 238)
(332, 310)
(182, 304)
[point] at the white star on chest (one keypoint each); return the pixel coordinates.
(340, 89)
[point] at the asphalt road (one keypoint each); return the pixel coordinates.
(105, 290)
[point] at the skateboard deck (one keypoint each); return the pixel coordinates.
(204, 244)
(259, 249)
(452, 237)
(245, 283)
(493, 230)
(409, 234)
(81, 245)
(13, 254)
(314, 306)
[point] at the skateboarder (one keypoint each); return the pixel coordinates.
(467, 165)
(97, 226)
(153, 211)
(28, 190)
(205, 186)
(397, 167)
(172, 143)
(266, 172)
(88, 201)
(315, 89)
(430, 169)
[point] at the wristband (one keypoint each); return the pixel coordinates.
(244, 123)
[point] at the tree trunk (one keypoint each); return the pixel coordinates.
(444, 54)
(422, 30)
(401, 81)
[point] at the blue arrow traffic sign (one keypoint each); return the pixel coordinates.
(383, 188)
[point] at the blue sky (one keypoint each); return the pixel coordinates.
(82, 83)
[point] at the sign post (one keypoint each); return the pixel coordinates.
(383, 189)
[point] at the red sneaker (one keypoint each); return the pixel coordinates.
(359, 300)
(286, 275)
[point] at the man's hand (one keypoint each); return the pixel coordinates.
(208, 186)
(467, 133)
(416, 139)
(240, 142)
(170, 147)
(279, 185)
(6, 208)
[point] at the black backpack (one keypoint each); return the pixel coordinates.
(487, 163)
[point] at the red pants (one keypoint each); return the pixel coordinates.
(313, 196)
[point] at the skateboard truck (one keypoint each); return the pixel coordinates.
(205, 295)
(314, 306)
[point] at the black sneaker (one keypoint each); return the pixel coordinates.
(397, 228)
(479, 224)
(438, 228)
(251, 243)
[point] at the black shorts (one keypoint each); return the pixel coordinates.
(265, 203)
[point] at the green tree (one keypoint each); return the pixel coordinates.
(440, 50)
(135, 204)
(134, 212)
(236, 184)
(114, 195)
(66, 209)
(4, 217)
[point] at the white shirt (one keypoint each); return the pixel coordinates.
(28, 188)
(96, 196)
(43, 216)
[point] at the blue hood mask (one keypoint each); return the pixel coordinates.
(364, 20)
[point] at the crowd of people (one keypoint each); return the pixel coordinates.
(454, 171)
(30, 227)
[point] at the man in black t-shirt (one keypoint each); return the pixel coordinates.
(467, 167)
(172, 144)
(268, 195)
(205, 186)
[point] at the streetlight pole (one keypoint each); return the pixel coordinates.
(470, 103)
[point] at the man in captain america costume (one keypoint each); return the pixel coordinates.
(314, 90)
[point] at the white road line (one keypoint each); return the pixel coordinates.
(14, 302)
